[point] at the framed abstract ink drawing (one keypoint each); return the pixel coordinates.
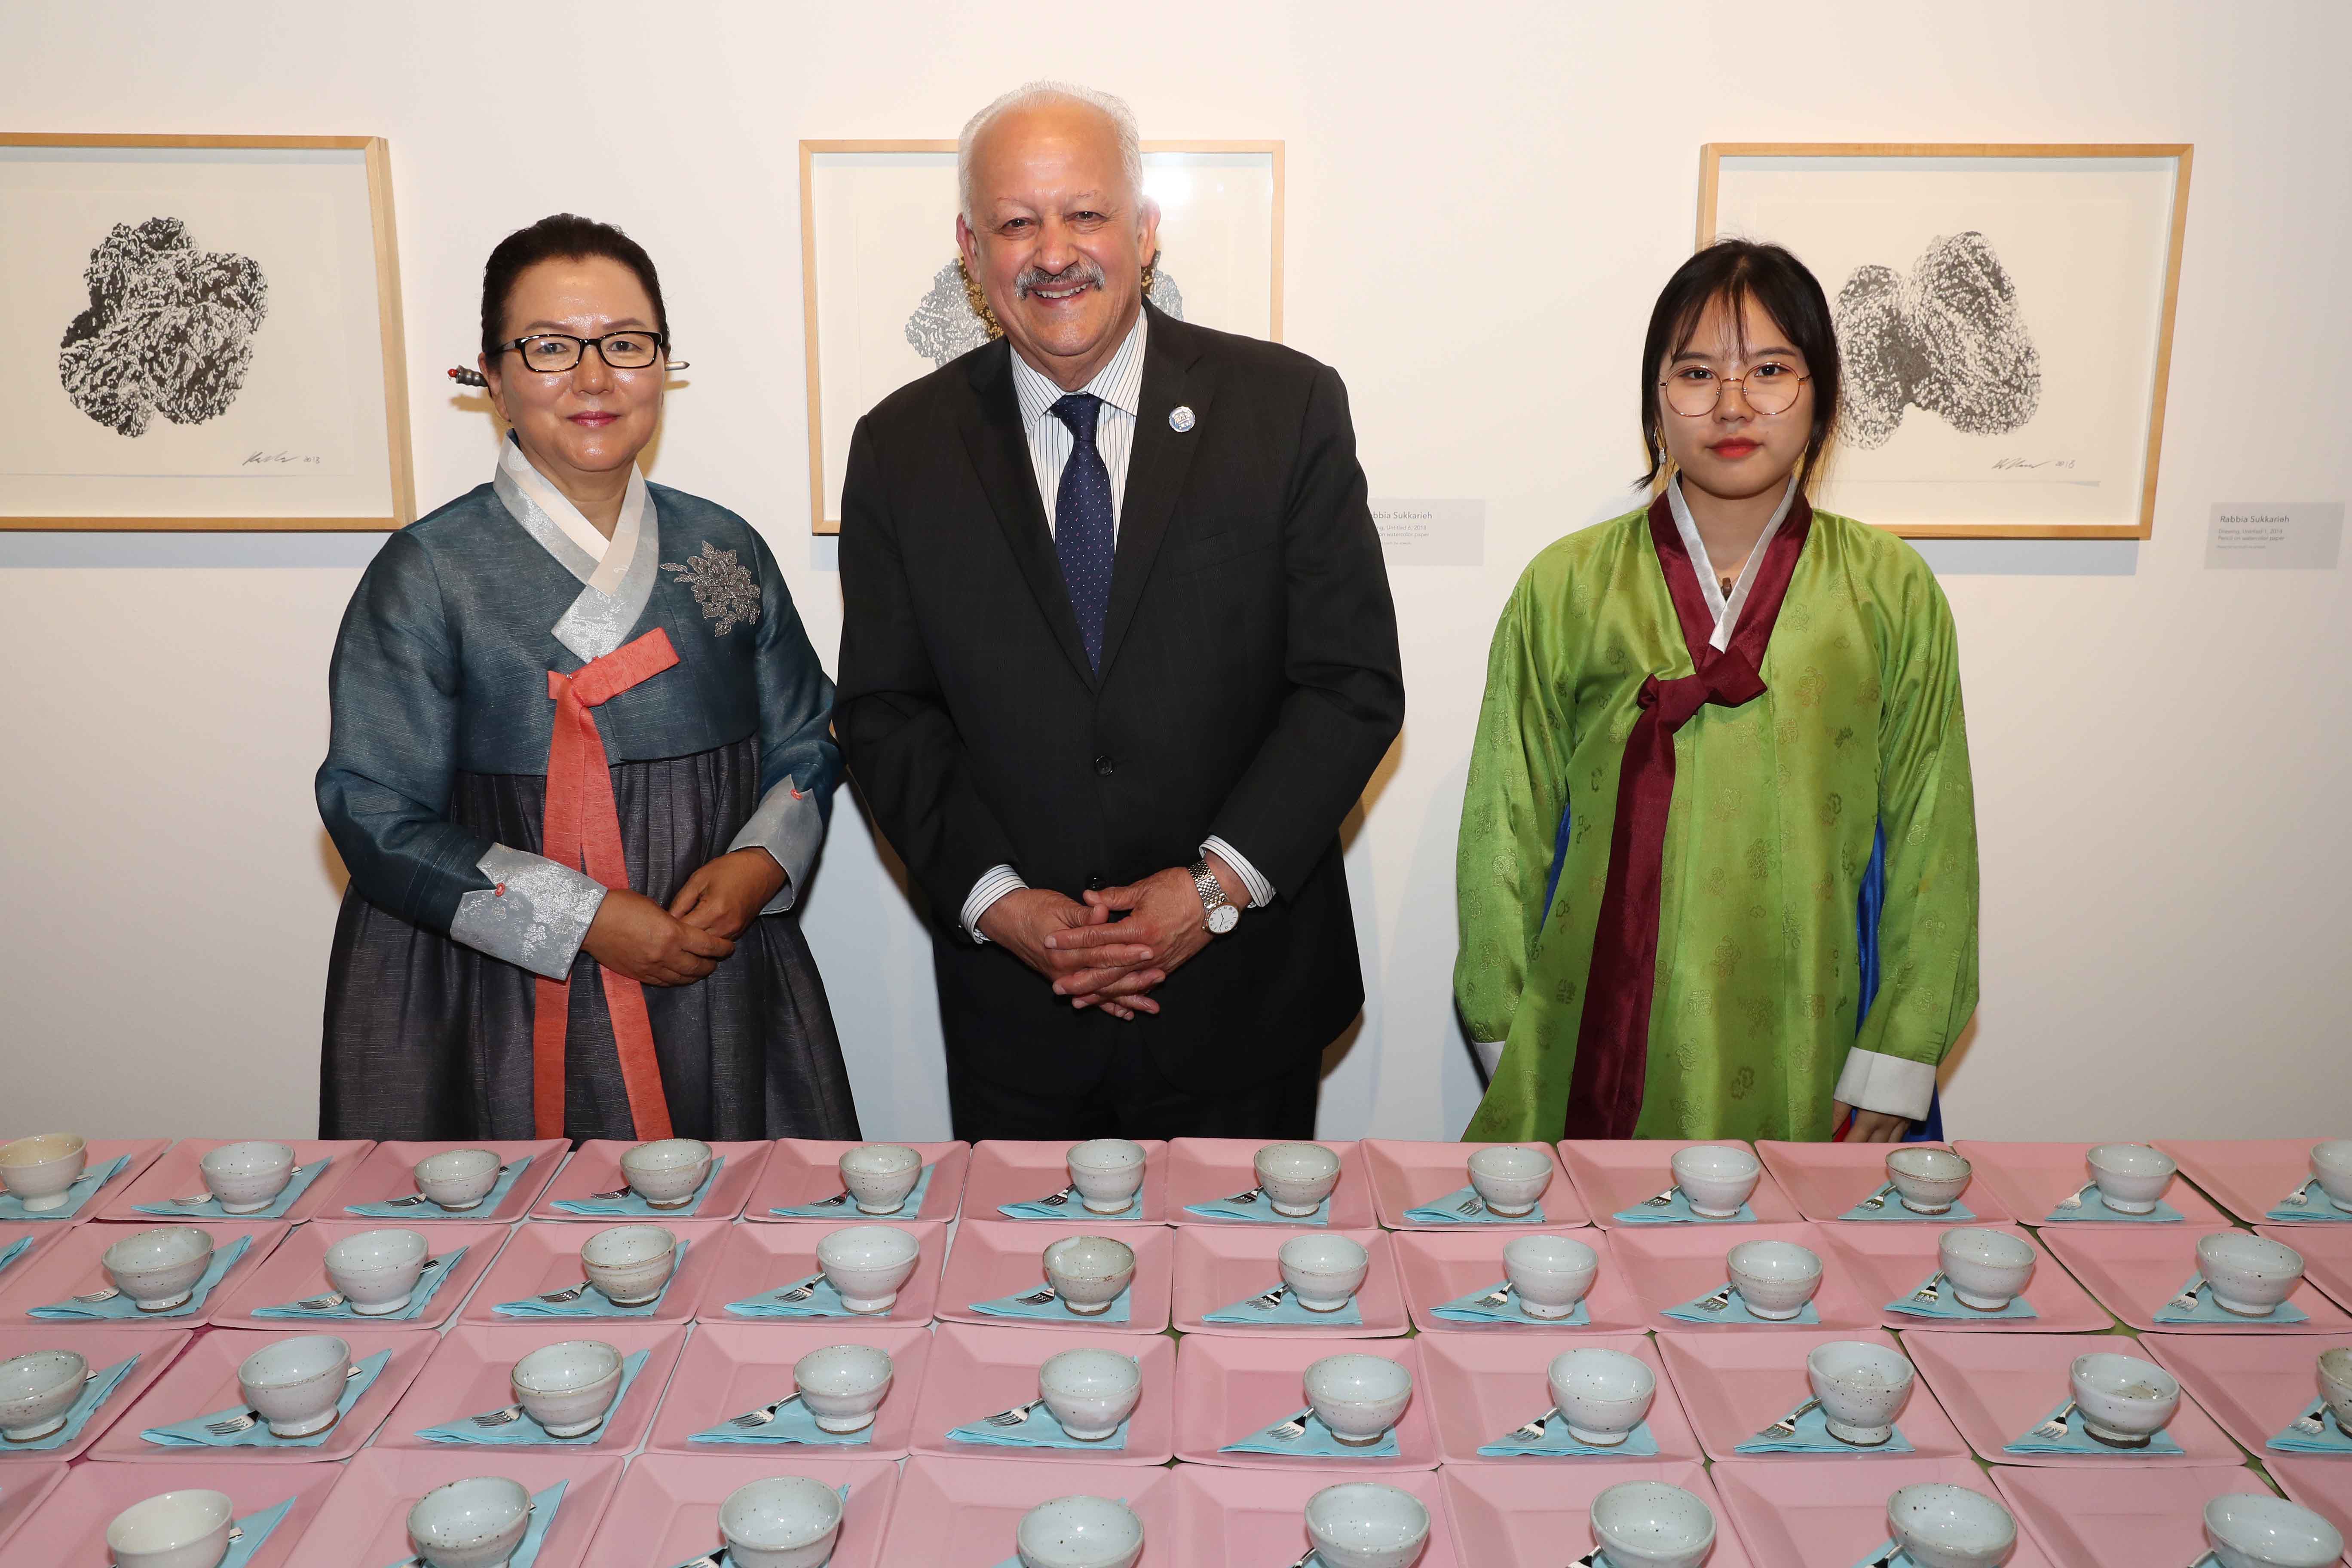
(201, 332)
(2004, 322)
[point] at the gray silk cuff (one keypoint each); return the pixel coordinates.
(535, 914)
(788, 825)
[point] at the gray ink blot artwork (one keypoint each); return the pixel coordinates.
(1947, 339)
(944, 324)
(169, 330)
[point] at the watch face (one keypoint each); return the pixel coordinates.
(1224, 918)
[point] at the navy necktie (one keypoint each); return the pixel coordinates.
(1082, 523)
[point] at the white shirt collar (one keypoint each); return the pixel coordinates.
(1726, 611)
(1119, 383)
(612, 556)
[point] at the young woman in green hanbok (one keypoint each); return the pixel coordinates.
(1717, 871)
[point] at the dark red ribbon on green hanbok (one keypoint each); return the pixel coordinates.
(1612, 1041)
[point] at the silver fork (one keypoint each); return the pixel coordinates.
(834, 1202)
(1500, 1296)
(573, 1293)
(2074, 1199)
(1662, 1201)
(1290, 1431)
(2309, 1423)
(230, 1425)
(1717, 1303)
(1533, 1431)
(1266, 1301)
(1036, 1297)
(2056, 1427)
(191, 1203)
(2302, 1198)
(765, 1414)
(803, 1290)
(93, 1296)
(1787, 1426)
(1933, 1290)
(1014, 1416)
(499, 1417)
(2187, 1300)
(608, 1197)
(1250, 1197)
(1876, 1200)
(1469, 1206)
(1056, 1200)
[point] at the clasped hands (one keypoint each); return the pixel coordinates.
(1096, 960)
(634, 936)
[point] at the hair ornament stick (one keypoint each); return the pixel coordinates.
(464, 377)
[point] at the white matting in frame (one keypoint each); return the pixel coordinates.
(205, 334)
(2004, 322)
(883, 302)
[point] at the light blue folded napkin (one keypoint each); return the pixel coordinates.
(1466, 1310)
(2331, 1439)
(1069, 1208)
(192, 1433)
(825, 1301)
(2094, 1207)
(1884, 1555)
(1678, 1212)
(1054, 1310)
(2208, 1311)
(1318, 1444)
(1814, 1438)
(1948, 1305)
(1737, 1312)
(543, 1518)
(793, 1424)
(257, 1527)
(1038, 1431)
(1559, 1443)
(428, 1285)
(523, 1429)
(14, 1250)
(94, 1392)
(394, 1208)
(2308, 1206)
(210, 1208)
(12, 1207)
(1890, 1207)
(592, 1303)
(1287, 1310)
(629, 1204)
(843, 1208)
(1258, 1208)
(2078, 1441)
(223, 1259)
(1448, 1210)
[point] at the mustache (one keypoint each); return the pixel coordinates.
(1082, 270)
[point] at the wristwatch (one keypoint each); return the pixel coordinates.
(1221, 916)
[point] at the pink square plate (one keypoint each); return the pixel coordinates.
(1887, 1262)
(2250, 1177)
(205, 1380)
(2133, 1272)
(998, 1257)
(2119, 1518)
(961, 1513)
(22, 1487)
(804, 1171)
(2326, 1255)
(1995, 1388)
(69, 1529)
(754, 1258)
(667, 1510)
(1826, 1180)
(1614, 1174)
(71, 1267)
(1480, 1387)
(389, 1172)
(1669, 1265)
(1227, 1389)
(102, 1346)
(729, 1368)
(1408, 1173)
(1217, 1265)
(1202, 1170)
(177, 1175)
(595, 1167)
(1509, 1516)
(467, 1375)
(1226, 1516)
(2252, 1386)
(2030, 1178)
(539, 1257)
(298, 1270)
(1733, 1385)
(1824, 1513)
(975, 1373)
(1015, 1170)
(2323, 1485)
(143, 1152)
(1438, 1267)
(365, 1521)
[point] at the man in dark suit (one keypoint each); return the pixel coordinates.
(1118, 656)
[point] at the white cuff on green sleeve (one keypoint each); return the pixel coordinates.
(1489, 1054)
(534, 914)
(1891, 1086)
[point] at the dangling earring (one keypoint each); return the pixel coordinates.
(978, 301)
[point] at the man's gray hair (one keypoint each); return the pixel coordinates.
(1121, 117)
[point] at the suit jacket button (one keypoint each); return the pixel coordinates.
(1102, 767)
(1094, 882)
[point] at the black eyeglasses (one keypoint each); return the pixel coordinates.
(559, 352)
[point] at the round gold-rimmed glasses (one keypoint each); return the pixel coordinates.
(1694, 391)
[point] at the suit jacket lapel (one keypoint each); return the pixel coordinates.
(1156, 468)
(990, 423)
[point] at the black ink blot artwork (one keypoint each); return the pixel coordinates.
(945, 325)
(169, 330)
(1947, 339)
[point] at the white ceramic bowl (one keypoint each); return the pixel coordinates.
(1509, 1180)
(474, 1523)
(376, 1269)
(1940, 1525)
(780, 1522)
(1323, 1272)
(879, 1177)
(1988, 1269)
(245, 1178)
(666, 1172)
(1088, 1272)
(1296, 1177)
(37, 1171)
(2335, 1378)
(2249, 1530)
(2250, 1274)
(173, 1529)
(458, 1178)
(295, 1384)
(1549, 1274)
(843, 1386)
(630, 1264)
(158, 1268)
(2123, 1401)
(1079, 1533)
(2332, 1162)
(569, 1386)
(1359, 1396)
(1775, 1278)
(2131, 1176)
(1108, 1173)
(1716, 1177)
(1863, 1387)
(36, 1389)
(1927, 1180)
(865, 1264)
(1649, 1524)
(1366, 1524)
(1602, 1394)
(1090, 1391)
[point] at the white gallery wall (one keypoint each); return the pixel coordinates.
(1483, 202)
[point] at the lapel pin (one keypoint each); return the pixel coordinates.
(1180, 419)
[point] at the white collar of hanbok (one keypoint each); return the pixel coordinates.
(1726, 611)
(616, 575)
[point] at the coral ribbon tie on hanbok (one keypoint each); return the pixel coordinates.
(583, 829)
(1612, 1039)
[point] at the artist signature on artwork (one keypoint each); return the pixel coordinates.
(2006, 463)
(278, 459)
